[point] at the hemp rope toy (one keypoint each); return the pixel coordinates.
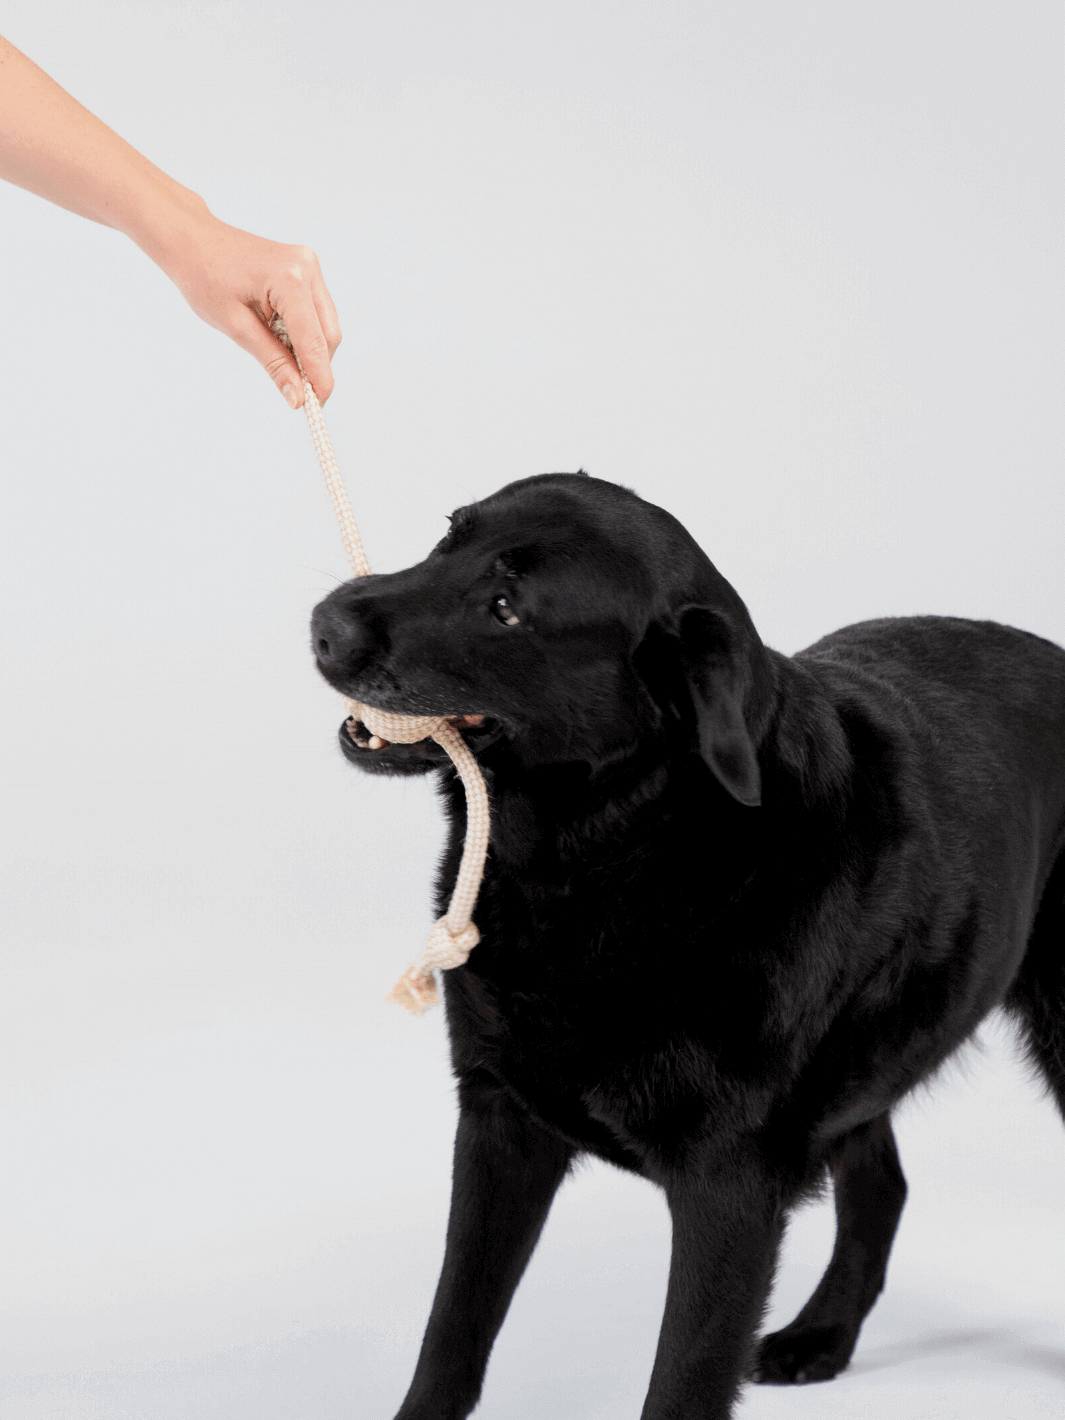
(452, 938)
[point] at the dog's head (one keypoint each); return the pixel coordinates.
(562, 620)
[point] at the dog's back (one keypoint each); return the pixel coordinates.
(973, 715)
(981, 706)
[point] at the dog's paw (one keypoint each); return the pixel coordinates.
(801, 1356)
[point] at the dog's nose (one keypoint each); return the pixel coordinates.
(340, 639)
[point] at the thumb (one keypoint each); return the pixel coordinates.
(252, 335)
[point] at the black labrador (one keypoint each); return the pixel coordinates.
(736, 906)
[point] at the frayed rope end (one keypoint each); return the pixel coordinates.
(416, 990)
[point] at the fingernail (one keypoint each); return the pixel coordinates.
(290, 395)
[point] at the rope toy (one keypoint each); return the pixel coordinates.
(452, 938)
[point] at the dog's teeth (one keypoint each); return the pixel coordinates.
(376, 742)
(352, 736)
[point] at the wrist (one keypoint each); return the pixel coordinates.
(167, 222)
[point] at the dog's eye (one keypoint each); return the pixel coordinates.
(504, 612)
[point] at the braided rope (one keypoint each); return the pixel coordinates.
(454, 936)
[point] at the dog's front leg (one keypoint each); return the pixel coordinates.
(727, 1225)
(507, 1169)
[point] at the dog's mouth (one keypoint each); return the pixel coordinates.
(361, 744)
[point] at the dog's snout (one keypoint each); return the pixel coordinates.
(339, 638)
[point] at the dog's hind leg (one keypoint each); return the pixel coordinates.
(870, 1191)
(1037, 996)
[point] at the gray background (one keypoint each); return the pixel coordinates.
(793, 271)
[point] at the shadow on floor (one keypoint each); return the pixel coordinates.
(987, 1345)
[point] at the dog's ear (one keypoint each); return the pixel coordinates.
(716, 672)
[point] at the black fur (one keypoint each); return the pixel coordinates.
(736, 906)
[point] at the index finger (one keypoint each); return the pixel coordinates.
(327, 314)
(304, 328)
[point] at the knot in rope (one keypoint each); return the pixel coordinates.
(452, 938)
(416, 989)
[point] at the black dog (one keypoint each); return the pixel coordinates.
(736, 905)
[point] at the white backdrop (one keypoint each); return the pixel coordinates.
(792, 271)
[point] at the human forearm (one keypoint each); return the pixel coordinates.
(53, 146)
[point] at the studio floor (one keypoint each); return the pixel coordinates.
(317, 1315)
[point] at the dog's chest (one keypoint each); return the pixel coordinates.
(588, 1065)
(572, 1000)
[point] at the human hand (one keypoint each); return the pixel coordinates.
(237, 282)
(53, 146)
